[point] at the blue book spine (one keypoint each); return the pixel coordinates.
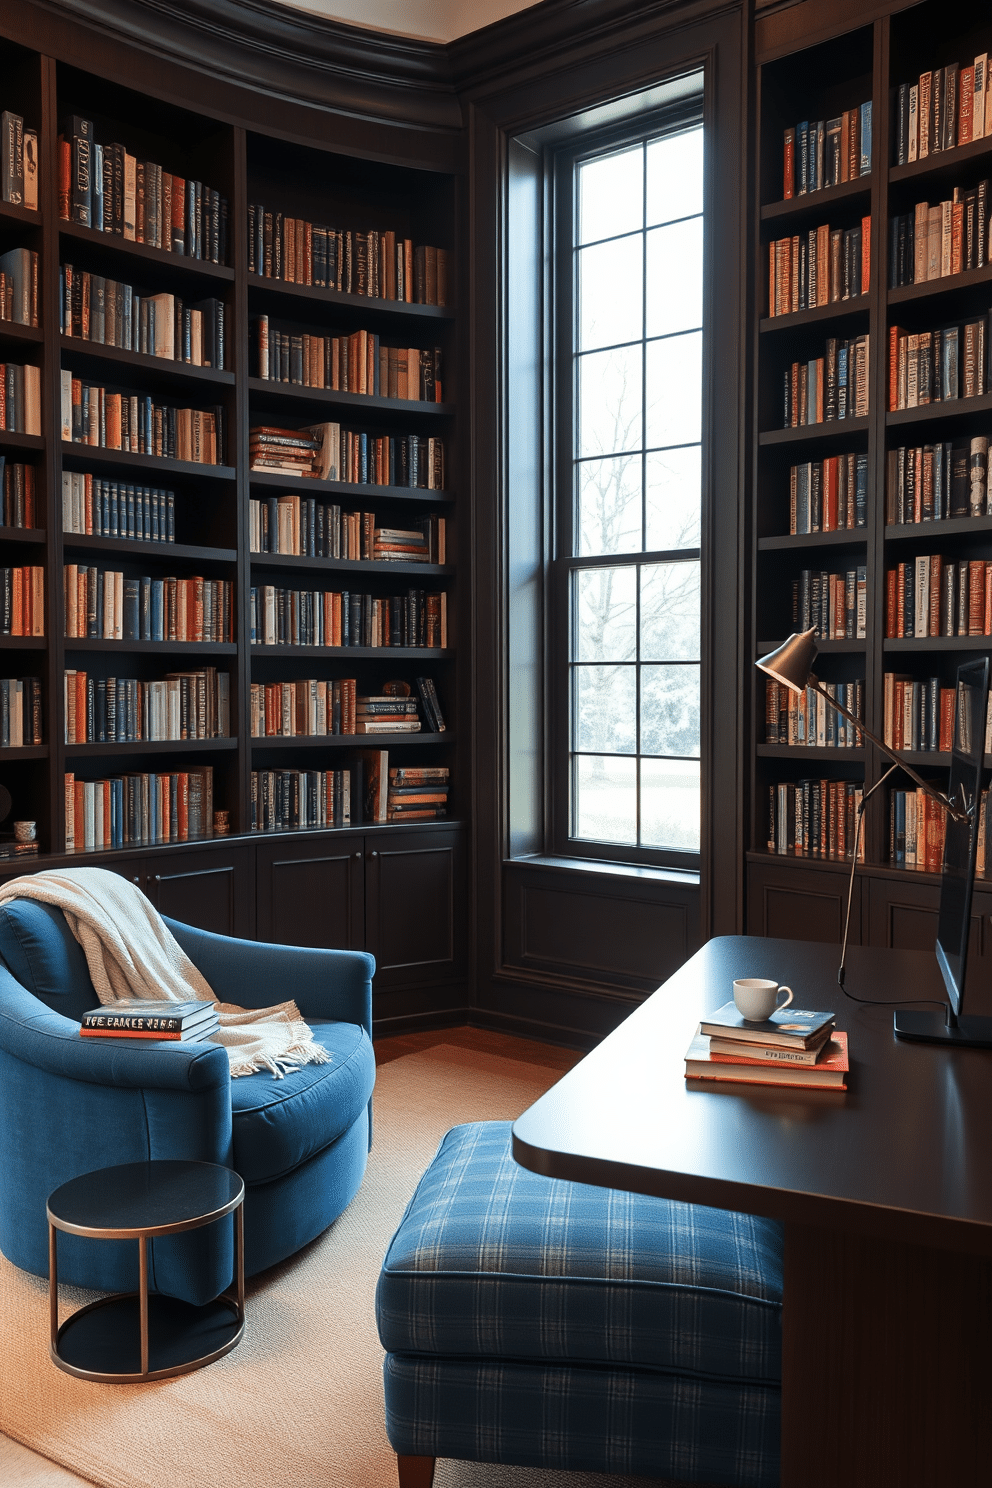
(802, 158)
(866, 138)
(253, 616)
(171, 516)
(146, 609)
(899, 826)
(157, 587)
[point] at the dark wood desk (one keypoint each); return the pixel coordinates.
(885, 1192)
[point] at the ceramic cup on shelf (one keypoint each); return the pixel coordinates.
(756, 998)
(25, 831)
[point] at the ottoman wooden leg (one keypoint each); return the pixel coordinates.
(415, 1472)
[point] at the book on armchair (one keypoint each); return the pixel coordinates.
(137, 1017)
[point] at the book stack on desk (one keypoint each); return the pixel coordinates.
(792, 1047)
(138, 1017)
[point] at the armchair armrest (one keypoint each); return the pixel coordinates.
(251, 973)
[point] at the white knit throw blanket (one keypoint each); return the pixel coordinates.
(131, 952)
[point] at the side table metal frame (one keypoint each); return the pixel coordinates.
(143, 1235)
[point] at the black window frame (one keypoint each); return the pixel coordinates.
(560, 161)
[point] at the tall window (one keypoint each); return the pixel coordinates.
(630, 267)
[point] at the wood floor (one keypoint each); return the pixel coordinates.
(22, 1468)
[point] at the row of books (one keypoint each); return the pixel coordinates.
(917, 824)
(826, 152)
(935, 482)
(807, 718)
(946, 107)
(109, 313)
(284, 800)
(19, 286)
(138, 809)
(18, 161)
(828, 495)
(835, 604)
(834, 386)
(107, 604)
(19, 492)
(378, 264)
(128, 710)
(20, 398)
(104, 187)
(403, 793)
(356, 363)
(820, 267)
(142, 1018)
(22, 601)
(322, 617)
(936, 242)
(814, 818)
(333, 452)
(311, 707)
(937, 366)
(135, 423)
(300, 526)
(917, 713)
(109, 508)
(794, 1047)
(936, 596)
(20, 712)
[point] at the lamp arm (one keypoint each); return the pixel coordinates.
(854, 865)
(954, 811)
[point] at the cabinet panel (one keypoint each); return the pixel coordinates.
(209, 889)
(414, 922)
(312, 893)
(903, 914)
(799, 903)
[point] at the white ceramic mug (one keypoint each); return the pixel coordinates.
(756, 999)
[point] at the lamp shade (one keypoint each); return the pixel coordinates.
(792, 663)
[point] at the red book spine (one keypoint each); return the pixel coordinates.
(788, 165)
(891, 588)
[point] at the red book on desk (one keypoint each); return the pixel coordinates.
(828, 1072)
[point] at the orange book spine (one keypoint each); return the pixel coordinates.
(65, 176)
(966, 105)
(894, 334)
(865, 254)
(976, 597)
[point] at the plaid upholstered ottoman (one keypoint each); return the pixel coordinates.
(548, 1324)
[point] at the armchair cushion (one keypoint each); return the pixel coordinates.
(279, 1124)
(43, 954)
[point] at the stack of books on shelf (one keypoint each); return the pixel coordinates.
(19, 494)
(140, 1017)
(932, 482)
(819, 267)
(137, 425)
(20, 398)
(807, 718)
(19, 286)
(936, 596)
(109, 508)
(95, 308)
(940, 365)
(385, 713)
(11, 848)
(305, 528)
(419, 794)
(935, 242)
(814, 818)
(834, 386)
(104, 187)
(826, 152)
(22, 601)
(835, 604)
(792, 1047)
(18, 161)
(943, 109)
(378, 264)
(828, 495)
(138, 809)
(361, 457)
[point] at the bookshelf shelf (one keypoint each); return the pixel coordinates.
(829, 432)
(399, 654)
(846, 537)
(943, 166)
(307, 295)
(12, 330)
(23, 643)
(152, 465)
(293, 485)
(128, 251)
(351, 565)
(126, 547)
(96, 360)
(937, 643)
(950, 284)
(21, 441)
(151, 746)
(344, 741)
(955, 408)
(816, 203)
(179, 648)
(24, 752)
(823, 646)
(949, 527)
(809, 752)
(851, 309)
(35, 536)
(269, 389)
(25, 216)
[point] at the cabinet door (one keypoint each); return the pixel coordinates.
(415, 916)
(210, 888)
(795, 902)
(312, 892)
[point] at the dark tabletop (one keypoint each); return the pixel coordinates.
(145, 1198)
(904, 1153)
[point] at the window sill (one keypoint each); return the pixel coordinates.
(687, 877)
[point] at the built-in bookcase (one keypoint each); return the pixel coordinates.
(210, 502)
(803, 894)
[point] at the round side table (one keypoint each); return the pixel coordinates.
(134, 1337)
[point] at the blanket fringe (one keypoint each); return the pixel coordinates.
(301, 1053)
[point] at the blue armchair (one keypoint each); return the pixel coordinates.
(69, 1105)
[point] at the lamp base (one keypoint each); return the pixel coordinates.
(934, 1028)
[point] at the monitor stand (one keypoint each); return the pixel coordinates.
(943, 1028)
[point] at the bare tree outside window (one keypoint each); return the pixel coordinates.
(634, 661)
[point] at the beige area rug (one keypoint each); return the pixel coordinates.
(299, 1402)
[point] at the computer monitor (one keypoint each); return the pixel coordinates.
(958, 873)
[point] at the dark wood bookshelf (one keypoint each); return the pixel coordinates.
(21, 441)
(359, 653)
(948, 527)
(100, 358)
(309, 294)
(941, 166)
(352, 565)
(291, 485)
(344, 741)
(12, 330)
(328, 397)
(844, 537)
(823, 646)
(151, 465)
(831, 430)
(125, 547)
(954, 408)
(817, 202)
(937, 643)
(111, 244)
(796, 319)
(25, 216)
(810, 752)
(152, 746)
(23, 643)
(949, 284)
(36, 536)
(180, 648)
(24, 752)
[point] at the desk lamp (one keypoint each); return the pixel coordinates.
(792, 665)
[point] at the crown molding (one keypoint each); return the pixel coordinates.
(292, 54)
